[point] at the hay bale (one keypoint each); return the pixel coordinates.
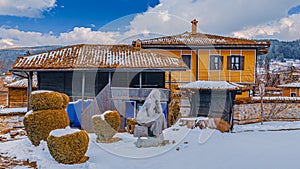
(106, 126)
(131, 122)
(222, 125)
(113, 119)
(48, 100)
(66, 100)
(39, 124)
(68, 146)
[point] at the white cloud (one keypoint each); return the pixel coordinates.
(287, 28)
(16, 38)
(214, 16)
(230, 17)
(25, 8)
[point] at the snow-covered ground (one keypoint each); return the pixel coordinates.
(256, 149)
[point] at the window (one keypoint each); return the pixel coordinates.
(235, 62)
(125, 79)
(216, 62)
(187, 60)
(293, 94)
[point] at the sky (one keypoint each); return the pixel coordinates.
(68, 22)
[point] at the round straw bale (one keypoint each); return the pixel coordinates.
(113, 119)
(39, 124)
(47, 101)
(69, 148)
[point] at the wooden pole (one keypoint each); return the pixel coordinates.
(140, 80)
(82, 91)
(29, 89)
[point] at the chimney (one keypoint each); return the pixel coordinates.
(194, 26)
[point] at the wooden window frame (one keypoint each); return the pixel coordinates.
(216, 62)
(235, 62)
(188, 61)
(295, 94)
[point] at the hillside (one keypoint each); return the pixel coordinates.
(281, 49)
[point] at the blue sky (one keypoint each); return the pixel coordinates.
(65, 22)
(68, 14)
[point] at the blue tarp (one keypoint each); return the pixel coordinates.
(74, 112)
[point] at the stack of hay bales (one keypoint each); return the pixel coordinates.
(48, 113)
(106, 126)
(68, 146)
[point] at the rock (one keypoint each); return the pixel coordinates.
(150, 141)
(103, 129)
(140, 131)
(13, 133)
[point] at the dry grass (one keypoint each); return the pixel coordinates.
(131, 122)
(69, 149)
(39, 124)
(48, 101)
(113, 119)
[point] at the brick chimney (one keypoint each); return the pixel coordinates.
(194, 26)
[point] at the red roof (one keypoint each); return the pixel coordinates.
(82, 57)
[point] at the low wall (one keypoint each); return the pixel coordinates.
(249, 113)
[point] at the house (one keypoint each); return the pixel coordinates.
(17, 93)
(82, 71)
(212, 99)
(210, 57)
(290, 89)
(4, 79)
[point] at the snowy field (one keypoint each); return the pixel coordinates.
(247, 148)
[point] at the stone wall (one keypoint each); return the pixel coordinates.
(249, 113)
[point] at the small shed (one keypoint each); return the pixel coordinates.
(291, 89)
(17, 93)
(211, 98)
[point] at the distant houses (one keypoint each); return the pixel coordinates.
(291, 89)
(17, 93)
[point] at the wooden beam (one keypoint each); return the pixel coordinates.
(29, 89)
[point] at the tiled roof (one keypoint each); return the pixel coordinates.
(23, 83)
(199, 39)
(79, 57)
(210, 85)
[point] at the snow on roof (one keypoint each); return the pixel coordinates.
(23, 83)
(283, 98)
(79, 57)
(214, 85)
(200, 39)
(295, 84)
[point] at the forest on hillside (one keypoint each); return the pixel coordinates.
(281, 50)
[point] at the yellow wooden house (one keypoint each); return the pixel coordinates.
(210, 57)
